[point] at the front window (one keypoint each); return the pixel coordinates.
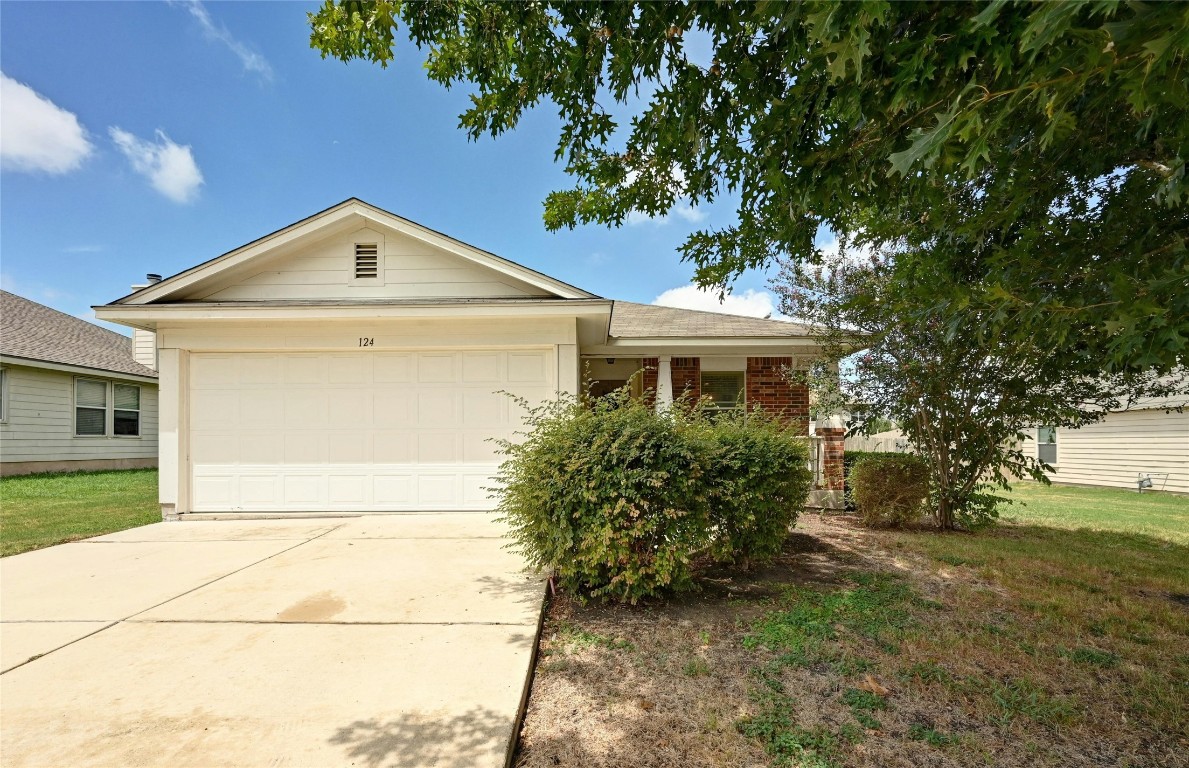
(724, 388)
(90, 408)
(1046, 444)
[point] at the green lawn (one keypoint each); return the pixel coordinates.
(42, 510)
(1160, 515)
(1057, 638)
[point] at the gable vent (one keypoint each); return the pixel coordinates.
(367, 260)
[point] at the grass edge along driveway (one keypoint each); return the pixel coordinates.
(41, 510)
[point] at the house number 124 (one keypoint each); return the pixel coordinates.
(366, 342)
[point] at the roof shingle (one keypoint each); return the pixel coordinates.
(36, 332)
(648, 321)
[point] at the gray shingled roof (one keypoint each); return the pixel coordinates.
(649, 321)
(36, 332)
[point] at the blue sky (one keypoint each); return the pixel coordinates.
(148, 137)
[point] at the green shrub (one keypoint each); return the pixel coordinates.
(610, 496)
(759, 481)
(620, 501)
(889, 488)
(849, 459)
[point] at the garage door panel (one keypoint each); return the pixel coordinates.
(306, 408)
(216, 408)
(260, 408)
(304, 491)
(306, 448)
(350, 369)
(392, 368)
(527, 367)
(437, 368)
(437, 448)
(215, 449)
(392, 448)
(393, 409)
(259, 448)
(306, 369)
(261, 370)
(349, 448)
(481, 367)
(214, 371)
(350, 409)
(367, 431)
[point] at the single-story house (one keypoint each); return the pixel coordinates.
(356, 361)
(1148, 441)
(73, 396)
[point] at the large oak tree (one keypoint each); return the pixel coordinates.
(1047, 141)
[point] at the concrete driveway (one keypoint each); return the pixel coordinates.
(396, 640)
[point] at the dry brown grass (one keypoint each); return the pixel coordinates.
(1017, 647)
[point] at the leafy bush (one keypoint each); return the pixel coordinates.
(849, 459)
(889, 488)
(620, 500)
(759, 479)
(609, 496)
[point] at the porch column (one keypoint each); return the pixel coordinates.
(664, 384)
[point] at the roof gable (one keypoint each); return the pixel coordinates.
(315, 259)
(33, 331)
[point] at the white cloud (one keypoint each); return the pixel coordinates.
(750, 303)
(251, 60)
(36, 134)
(169, 167)
(83, 249)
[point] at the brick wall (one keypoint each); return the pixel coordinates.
(648, 379)
(687, 376)
(768, 388)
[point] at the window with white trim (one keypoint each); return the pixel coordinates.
(106, 409)
(126, 410)
(90, 408)
(3, 395)
(1046, 444)
(725, 388)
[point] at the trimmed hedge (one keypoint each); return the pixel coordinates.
(889, 489)
(621, 501)
(849, 458)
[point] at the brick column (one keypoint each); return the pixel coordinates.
(769, 388)
(833, 440)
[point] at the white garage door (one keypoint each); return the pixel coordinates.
(366, 431)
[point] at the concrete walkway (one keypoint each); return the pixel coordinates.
(396, 640)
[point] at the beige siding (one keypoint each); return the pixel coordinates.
(1114, 451)
(39, 423)
(411, 269)
(144, 348)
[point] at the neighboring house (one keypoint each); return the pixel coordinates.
(72, 396)
(357, 361)
(1148, 441)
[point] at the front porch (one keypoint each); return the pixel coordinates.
(733, 381)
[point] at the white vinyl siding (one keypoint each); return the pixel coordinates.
(1115, 450)
(40, 421)
(406, 268)
(144, 348)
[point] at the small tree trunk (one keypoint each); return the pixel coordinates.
(945, 514)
